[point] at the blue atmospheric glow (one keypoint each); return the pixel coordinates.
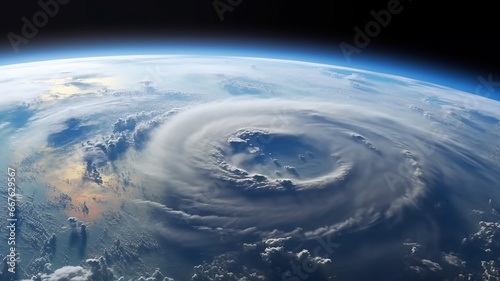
(416, 68)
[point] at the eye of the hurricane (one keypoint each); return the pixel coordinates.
(244, 166)
(271, 156)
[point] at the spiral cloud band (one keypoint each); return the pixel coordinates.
(276, 166)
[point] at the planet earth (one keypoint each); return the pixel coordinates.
(185, 167)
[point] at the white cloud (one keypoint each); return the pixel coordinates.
(66, 273)
(452, 259)
(276, 241)
(491, 270)
(432, 266)
(358, 145)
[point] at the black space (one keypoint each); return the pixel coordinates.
(457, 35)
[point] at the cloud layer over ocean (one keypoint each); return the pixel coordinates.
(299, 168)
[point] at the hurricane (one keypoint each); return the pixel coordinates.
(299, 168)
(232, 168)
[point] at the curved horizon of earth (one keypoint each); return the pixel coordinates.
(183, 167)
